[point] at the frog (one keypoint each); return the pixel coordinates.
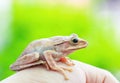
(48, 52)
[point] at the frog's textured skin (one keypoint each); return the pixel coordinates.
(48, 52)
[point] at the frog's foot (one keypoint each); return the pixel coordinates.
(70, 63)
(66, 68)
(67, 61)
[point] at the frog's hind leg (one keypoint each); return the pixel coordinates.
(26, 61)
(29, 65)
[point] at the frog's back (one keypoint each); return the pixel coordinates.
(37, 46)
(31, 47)
(41, 45)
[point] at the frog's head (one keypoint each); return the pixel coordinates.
(68, 44)
(75, 42)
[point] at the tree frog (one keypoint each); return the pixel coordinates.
(49, 51)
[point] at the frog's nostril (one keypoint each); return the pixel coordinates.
(83, 42)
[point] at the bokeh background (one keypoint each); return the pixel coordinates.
(97, 21)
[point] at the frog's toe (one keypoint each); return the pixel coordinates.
(67, 68)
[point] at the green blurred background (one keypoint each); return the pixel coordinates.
(23, 21)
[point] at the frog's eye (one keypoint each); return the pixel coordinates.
(74, 40)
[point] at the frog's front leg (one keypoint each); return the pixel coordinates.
(52, 64)
(67, 61)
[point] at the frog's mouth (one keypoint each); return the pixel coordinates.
(80, 45)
